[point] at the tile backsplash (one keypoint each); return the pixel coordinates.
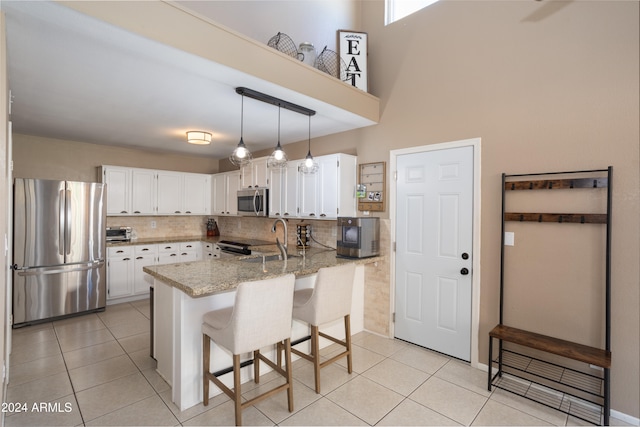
(324, 232)
(166, 226)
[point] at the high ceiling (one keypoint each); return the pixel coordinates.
(76, 78)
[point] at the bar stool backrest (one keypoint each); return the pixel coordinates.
(262, 313)
(331, 299)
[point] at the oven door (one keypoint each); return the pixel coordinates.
(253, 202)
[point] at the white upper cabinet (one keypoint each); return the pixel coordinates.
(290, 192)
(277, 179)
(170, 185)
(255, 174)
(118, 182)
(143, 194)
(197, 194)
(336, 185)
(232, 187)
(327, 194)
(224, 195)
(136, 191)
(308, 195)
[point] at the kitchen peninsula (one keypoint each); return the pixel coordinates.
(185, 291)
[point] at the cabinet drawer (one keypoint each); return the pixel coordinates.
(188, 246)
(168, 247)
(146, 249)
(120, 251)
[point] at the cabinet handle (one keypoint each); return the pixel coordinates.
(312, 214)
(123, 211)
(189, 246)
(167, 247)
(277, 213)
(286, 213)
(188, 212)
(119, 252)
(140, 257)
(323, 214)
(145, 249)
(173, 255)
(177, 212)
(136, 212)
(126, 259)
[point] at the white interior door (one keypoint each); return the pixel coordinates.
(434, 239)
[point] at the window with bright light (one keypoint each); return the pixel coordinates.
(398, 9)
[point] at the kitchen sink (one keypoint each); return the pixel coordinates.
(268, 258)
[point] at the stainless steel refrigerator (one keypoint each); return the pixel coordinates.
(58, 249)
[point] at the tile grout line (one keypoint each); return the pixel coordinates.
(66, 367)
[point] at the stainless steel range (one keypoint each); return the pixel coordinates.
(240, 246)
(234, 248)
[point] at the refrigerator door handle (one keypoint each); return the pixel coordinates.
(67, 226)
(61, 223)
(36, 271)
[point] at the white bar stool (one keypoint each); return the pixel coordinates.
(260, 316)
(327, 301)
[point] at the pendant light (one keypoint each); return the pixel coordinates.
(309, 166)
(241, 156)
(278, 159)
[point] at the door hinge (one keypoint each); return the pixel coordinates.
(394, 246)
(393, 318)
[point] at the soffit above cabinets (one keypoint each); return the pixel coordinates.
(141, 74)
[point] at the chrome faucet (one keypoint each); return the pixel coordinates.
(282, 247)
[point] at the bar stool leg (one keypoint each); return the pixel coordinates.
(315, 350)
(206, 355)
(347, 330)
(289, 371)
(256, 366)
(236, 389)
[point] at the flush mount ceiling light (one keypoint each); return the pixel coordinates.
(278, 159)
(198, 137)
(241, 156)
(310, 166)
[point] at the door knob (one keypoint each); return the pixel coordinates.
(465, 255)
(464, 271)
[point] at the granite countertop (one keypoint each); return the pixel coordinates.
(213, 276)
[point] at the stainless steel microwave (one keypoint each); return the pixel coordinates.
(253, 201)
(358, 237)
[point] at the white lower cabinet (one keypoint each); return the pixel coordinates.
(120, 271)
(168, 253)
(190, 251)
(145, 255)
(210, 250)
(125, 276)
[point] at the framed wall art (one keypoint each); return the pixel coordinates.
(352, 49)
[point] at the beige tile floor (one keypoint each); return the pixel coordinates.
(96, 370)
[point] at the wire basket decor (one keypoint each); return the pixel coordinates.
(330, 62)
(283, 43)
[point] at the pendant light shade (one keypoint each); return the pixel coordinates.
(241, 156)
(278, 159)
(309, 166)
